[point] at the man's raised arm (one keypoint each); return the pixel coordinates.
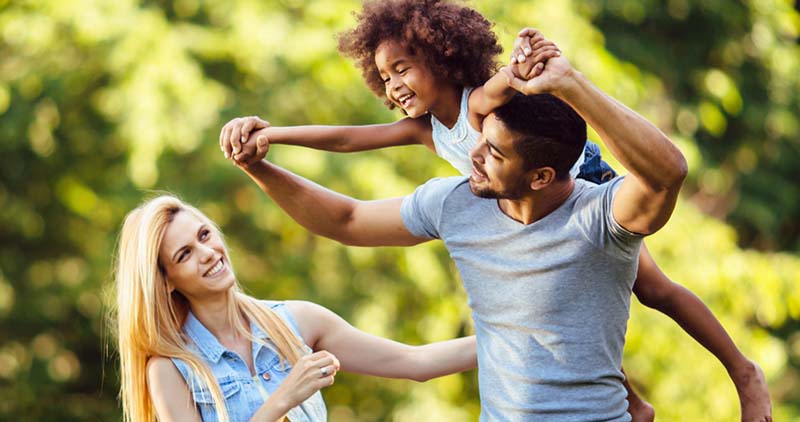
(646, 198)
(330, 214)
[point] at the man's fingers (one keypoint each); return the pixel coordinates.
(251, 123)
(222, 137)
(529, 32)
(235, 138)
(538, 69)
(545, 54)
(224, 146)
(543, 43)
(246, 128)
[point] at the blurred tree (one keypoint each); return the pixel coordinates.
(101, 102)
(731, 69)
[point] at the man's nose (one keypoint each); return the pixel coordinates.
(475, 152)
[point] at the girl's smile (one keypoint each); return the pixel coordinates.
(410, 84)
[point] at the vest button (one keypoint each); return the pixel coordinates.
(265, 376)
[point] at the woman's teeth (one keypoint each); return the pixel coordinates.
(215, 269)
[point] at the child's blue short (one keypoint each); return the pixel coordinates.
(594, 169)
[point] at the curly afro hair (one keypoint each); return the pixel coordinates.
(455, 41)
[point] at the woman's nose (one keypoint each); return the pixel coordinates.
(205, 253)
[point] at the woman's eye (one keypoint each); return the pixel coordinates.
(204, 234)
(183, 255)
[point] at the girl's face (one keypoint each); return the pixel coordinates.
(409, 82)
(194, 257)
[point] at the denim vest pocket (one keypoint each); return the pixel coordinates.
(279, 367)
(205, 401)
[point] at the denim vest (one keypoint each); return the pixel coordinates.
(244, 393)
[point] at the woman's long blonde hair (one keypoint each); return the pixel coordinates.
(148, 318)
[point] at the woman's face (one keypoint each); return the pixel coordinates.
(194, 257)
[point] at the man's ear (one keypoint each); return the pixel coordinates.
(542, 178)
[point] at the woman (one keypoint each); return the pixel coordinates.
(194, 347)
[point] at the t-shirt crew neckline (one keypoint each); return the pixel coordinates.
(512, 223)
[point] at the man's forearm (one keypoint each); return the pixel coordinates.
(319, 210)
(640, 147)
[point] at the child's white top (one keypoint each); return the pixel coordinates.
(453, 144)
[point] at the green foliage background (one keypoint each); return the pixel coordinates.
(102, 103)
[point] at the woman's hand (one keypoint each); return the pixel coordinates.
(310, 374)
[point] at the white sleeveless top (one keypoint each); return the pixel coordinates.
(453, 144)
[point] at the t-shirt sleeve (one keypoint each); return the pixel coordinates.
(596, 216)
(422, 210)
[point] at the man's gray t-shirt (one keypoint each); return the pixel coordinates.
(550, 299)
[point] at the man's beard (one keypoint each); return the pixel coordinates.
(513, 193)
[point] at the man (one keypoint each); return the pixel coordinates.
(548, 262)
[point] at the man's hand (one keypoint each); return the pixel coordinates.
(254, 149)
(556, 76)
(237, 132)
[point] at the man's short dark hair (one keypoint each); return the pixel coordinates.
(549, 133)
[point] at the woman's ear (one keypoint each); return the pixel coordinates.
(542, 177)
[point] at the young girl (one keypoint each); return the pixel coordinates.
(424, 57)
(194, 347)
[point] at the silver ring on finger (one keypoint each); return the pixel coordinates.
(324, 371)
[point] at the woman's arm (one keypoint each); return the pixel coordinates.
(168, 391)
(367, 354)
(308, 375)
(329, 138)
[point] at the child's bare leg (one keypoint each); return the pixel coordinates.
(656, 291)
(640, 410)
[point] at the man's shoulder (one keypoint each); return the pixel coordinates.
(585, 190)
(423, 210)
(444, 187)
